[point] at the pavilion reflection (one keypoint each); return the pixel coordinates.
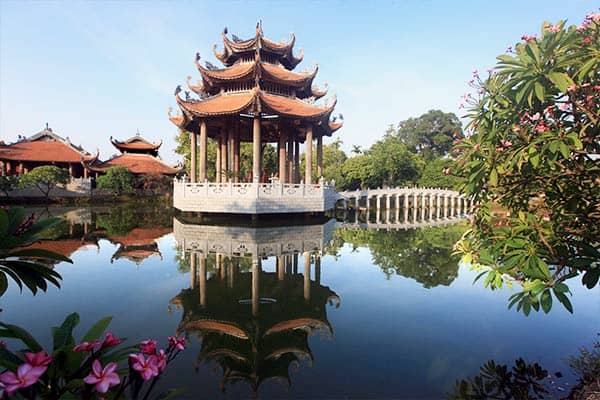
(254, 324)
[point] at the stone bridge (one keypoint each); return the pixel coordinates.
(445, 202)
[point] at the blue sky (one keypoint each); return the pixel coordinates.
(98, 69)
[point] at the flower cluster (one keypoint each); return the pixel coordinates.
(27, 373)
(151, 362)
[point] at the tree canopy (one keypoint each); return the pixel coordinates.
(44, 178)
(116, 180)
(533, 150)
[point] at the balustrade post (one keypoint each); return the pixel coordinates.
(307, 276)
(256, 269)
(202, 279)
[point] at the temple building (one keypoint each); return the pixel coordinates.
(137, 155)
(44, 148)
(138, 244)
(255, 97)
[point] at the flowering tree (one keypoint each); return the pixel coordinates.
(534, 151)
(89, 369)
(45, 178)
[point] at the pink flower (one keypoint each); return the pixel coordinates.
(3, 344)
(148, 368)
(546, 218)
(548, 110)
(509, 49)
(535, 116)
(506, 143)
(41, 359)
(446, 171)
(587, 41)
(541, 127)
(148, 346)
(516, 128)
(529, 38)
(597, 88)
(110, 340)
(162, 360)
(177, 342)
(102, 378)
(86, 346)
(476, 147)
(475, 73)
(26, 376)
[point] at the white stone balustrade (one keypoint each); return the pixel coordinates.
(253, 198)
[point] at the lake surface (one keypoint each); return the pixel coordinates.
(373, 314)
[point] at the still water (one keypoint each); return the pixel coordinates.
(307, 308)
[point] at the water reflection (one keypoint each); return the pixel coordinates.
(424, 254)
(254, 324)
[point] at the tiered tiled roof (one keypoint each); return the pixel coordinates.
(136, 144)
(258, 77)
(45, 146)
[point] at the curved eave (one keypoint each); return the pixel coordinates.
(234, 72)
(295, 108)
(198, 89)
(287, 77)
(131, 146)
(218, 105)
(215, 326)
(317, 92)
(298, 323)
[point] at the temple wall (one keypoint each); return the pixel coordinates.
(77, 187)
(253, 198)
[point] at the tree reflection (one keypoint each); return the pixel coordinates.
(525, 381)
(424, 255)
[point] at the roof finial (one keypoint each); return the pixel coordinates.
(47, 126)
(259, 26)
(137, 132)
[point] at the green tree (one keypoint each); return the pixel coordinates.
(333, 162)
(116, 180)
(439, 173)
(431, 135)
(8, 183)
(394, 164)
(536, 130)
(44, 178)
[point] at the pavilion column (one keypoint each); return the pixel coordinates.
(236, 153)
(296, 159)
(8, 169)
(21, 168)
(255, 285)
(218, 161)
(193, 271)
(193, 157)
(256, 156)
(2, 169)
(280, 267)
(308, 156)
(202, 279)
(230, 150)
(307, 276)
(290, 159)
(224, 166)
(282, 158)
(318, 268)
(319, 156)
(85, 173)
(70, 170)
(203, 150)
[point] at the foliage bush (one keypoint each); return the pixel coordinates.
(116, 180)
(534, 149)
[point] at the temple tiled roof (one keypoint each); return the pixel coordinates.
(135, 143)
(137, 164)
(45, 146)
(141, 236)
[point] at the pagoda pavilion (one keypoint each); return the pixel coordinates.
(255, 97)
(44, 148)
(137, 155)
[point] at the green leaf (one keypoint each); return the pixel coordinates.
(493, 177)
(63, 335)
(546, 301)
(591, 277)
(40, 253)
(16, 332)
(564, 150)
(96, 330)
(539, 91)
(564, 300)
(561, 288)
(561, 80)
(9, 360)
